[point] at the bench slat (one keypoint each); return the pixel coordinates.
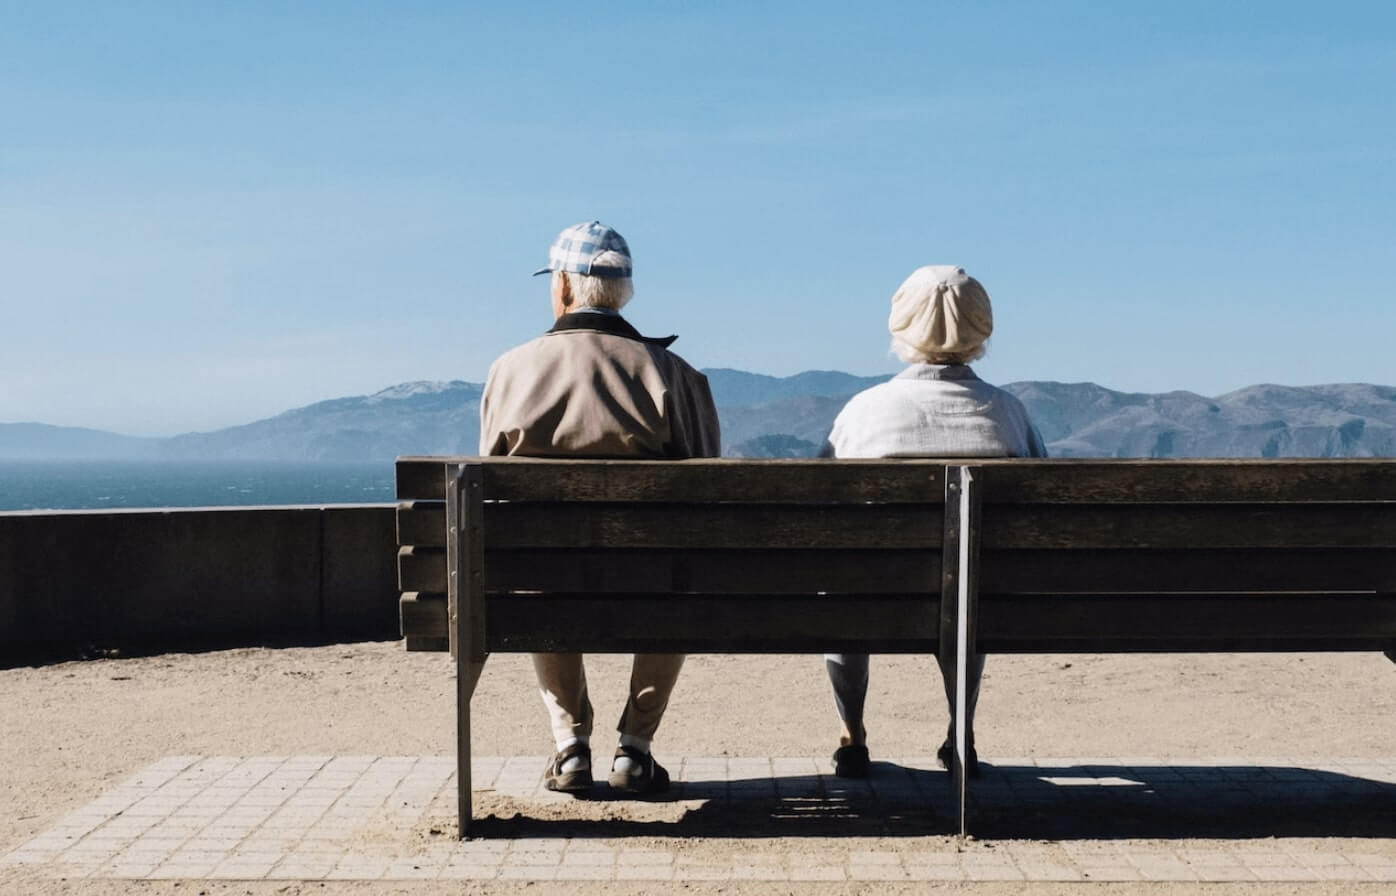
(648, 526)
(886, 624)
(422, 523)
(1197, 570)
(705, 480)
(717, 571)
(422, 569)
(754, 623)
(424, 621)
(1167, 526)
(1112, 623)
(1022, 623)
(1186, 481)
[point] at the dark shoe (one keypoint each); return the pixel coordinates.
(651, 779)
(946, 755)
(554, 778)
(851, 761)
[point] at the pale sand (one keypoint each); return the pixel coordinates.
(71, 731)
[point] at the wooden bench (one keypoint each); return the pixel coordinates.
(891, 556)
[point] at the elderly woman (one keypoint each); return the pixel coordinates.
(936, 407)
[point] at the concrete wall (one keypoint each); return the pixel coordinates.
(81, 582)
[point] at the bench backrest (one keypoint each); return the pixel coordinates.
(1187, 555)
(741, 556)
(793, 556)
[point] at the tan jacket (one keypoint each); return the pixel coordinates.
(593, 387)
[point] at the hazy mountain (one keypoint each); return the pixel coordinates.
(765, 416)
(801, 418)
(39, 441)
(1086, 420)
(739, 389)
(411, 418)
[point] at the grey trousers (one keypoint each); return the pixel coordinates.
(848, 673)
(562, 679)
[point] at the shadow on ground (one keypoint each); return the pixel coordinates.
(1008, 803)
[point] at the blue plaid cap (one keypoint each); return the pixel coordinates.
(592, 249)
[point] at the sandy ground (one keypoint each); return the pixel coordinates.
(70, 731)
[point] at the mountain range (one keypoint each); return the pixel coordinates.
(766, 416)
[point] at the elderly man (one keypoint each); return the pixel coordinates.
(936, 407)
(594, 387)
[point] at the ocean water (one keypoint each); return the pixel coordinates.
(73, 485)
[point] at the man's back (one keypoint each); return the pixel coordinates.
(597, 389)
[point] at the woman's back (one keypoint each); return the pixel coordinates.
(934, 410)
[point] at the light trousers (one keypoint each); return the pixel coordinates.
(848, 673)
(562, 680)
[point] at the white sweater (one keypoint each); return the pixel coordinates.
(934, 410)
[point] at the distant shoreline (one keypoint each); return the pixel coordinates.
(126, 484)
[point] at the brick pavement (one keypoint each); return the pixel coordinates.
(1089, 819)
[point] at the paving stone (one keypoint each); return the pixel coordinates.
(935, 872)
(1048, 871)
(992, 872)
(700, 872)
(528, 872)
(406, 869)
(238, 869)
(469, 872)
(1366, 860)
(1219, 873)
(818, 872)
(645, 872)
(877, 872)
(1110, 873)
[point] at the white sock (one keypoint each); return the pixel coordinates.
(576, 763)
(625, 763)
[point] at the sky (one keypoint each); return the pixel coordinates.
(211, 213)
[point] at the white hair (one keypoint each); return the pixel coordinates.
(598, 292)
(910, 354)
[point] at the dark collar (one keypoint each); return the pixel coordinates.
(613, 324)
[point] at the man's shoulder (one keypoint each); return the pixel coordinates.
(520, 353)
(672, 357)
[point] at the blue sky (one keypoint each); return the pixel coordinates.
(211, 213)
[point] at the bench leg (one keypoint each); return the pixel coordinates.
(958, 599)
(466, 608)
(467, 676)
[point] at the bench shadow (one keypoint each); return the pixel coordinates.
(1234, 802)
(1008, 803)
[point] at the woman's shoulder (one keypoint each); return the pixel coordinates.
(883, 394)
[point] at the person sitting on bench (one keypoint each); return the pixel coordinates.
(936, 407)
(594, 387)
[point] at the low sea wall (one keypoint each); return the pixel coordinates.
(83, 583)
